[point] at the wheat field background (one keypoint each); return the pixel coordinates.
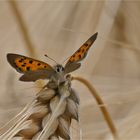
(58, 28)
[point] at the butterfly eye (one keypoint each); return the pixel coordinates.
(58, 70)
(62, 69)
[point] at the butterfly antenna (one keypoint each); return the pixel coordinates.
(50, 58)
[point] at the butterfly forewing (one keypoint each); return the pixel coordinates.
(23, 64)
(31, 68)
(74, 61)
(81, 53)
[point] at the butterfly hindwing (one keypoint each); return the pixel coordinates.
(72, 67)
(31, 68)
(74, 61)
(35, 75)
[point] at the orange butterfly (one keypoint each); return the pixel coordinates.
(34, 69)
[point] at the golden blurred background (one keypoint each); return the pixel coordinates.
(58, 28)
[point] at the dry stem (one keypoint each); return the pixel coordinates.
(100, 102)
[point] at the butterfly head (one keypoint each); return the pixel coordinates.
(59, 69)
(59, 73)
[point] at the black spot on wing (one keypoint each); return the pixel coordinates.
(19, 69)
(28, 68)
(86, 44)
(79, 56)
(73, 56)
(83, 50)
(31, 61)
(79, 50)
(21, 60)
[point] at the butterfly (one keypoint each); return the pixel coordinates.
(33, 69)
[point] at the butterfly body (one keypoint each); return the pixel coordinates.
(59, 74)
(33, 69)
